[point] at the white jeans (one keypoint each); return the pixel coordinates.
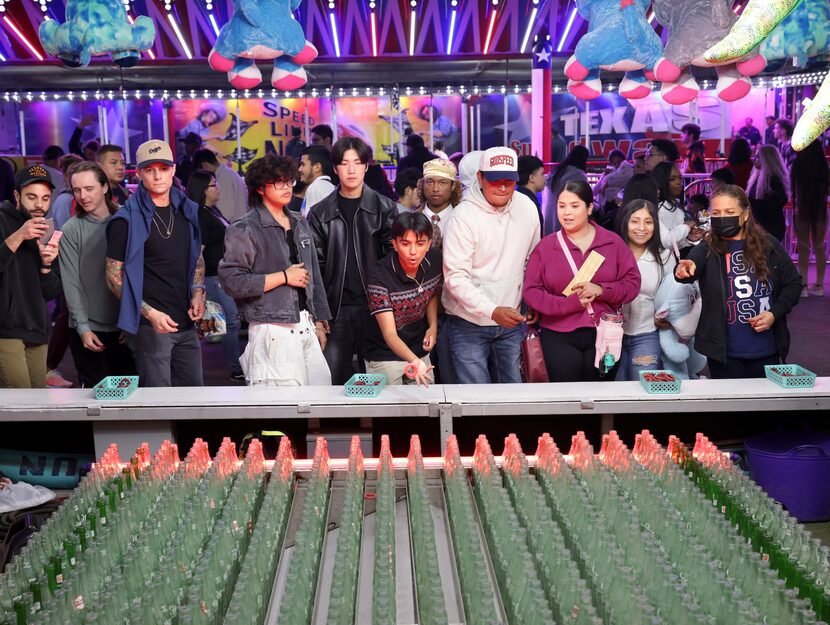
(284, 354)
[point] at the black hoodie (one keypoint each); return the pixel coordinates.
(24, 291)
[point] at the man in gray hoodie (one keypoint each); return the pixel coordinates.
(96, 343)
(486, 246)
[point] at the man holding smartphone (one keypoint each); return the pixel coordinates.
(27, 280)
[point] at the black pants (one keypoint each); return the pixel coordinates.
(346, 340)
(569, 356)
(60, 336)
(741, 367)
(92, 367)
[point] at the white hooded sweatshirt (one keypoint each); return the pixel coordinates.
(485, 251)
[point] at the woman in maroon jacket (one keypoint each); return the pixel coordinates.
(568, 332)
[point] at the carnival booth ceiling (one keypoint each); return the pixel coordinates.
(360, 42)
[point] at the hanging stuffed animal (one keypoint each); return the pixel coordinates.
(804, 34)
(619, 38)
(694, 26)
(263, 30)
(96, 27)
(758, 20)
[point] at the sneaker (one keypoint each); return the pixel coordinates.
(817, 290)
(239, 377)
(54, 379)
(805, 292)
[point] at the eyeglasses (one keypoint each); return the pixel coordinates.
(440, 182)
(284, 184)
(655, 153)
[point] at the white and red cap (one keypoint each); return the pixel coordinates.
(500, 164)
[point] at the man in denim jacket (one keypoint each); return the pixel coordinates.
(271, 269)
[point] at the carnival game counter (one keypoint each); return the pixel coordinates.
(149, 413)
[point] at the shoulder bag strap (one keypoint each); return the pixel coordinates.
(574, 269)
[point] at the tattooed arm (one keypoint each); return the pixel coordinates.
(197, 290)
(160, 321)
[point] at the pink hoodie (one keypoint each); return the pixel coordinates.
(548, 273)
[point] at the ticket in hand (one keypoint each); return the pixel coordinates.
(56, 236)
(586, 272)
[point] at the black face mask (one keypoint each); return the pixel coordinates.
(726, 227)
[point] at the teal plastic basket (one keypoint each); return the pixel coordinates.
(660, 388)
(371, 384)
(790, 376)
(116, 387)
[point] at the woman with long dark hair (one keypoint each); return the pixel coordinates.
(569, 322)
(640, 229)
(675, 226)
(572, 168)
(202, 189)
(739, 161)
(768, 190)
(810, 177)
(748, 284)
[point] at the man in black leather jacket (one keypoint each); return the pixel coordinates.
(351, 229)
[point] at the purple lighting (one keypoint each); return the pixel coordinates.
(567, 30)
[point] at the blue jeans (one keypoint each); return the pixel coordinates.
(473, 346)
(640, 352)
(230, 340)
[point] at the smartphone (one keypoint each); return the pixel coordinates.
(50, 229)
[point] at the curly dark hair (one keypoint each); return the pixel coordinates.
(455, 196)
(756, 244)
(266, 170)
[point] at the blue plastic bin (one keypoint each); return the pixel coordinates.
(793, 467)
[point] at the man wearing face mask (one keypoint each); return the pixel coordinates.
(748, 284)
(27, 280)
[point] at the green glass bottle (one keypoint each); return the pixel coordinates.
(36, 589)
(57, 562)
(20, 611)
(69, 548)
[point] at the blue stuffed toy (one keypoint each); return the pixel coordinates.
(680, 305)
(804, 34)
(266, 30)
(96, 27)
(619, 38)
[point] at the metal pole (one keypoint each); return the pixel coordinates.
(465, 114)
(238, 138)
(22, 135)
(478, 125)
(504, 101)
(149, 126)
(722, 127)
(166, 121)
(126, 130)
(431, 129)
(307, 128)
(588, 126)
(334, 115)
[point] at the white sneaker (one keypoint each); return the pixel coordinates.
(805, 292)
(817, 290)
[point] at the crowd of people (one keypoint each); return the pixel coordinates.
(332, 270)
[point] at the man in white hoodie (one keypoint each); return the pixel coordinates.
(486, 246)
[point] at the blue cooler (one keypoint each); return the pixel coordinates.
(793, 467)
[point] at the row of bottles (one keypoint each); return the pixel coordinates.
(304, 565)
(520, 585)
(343, 596)
(431, 607)
(384, 604)
(476, 588)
